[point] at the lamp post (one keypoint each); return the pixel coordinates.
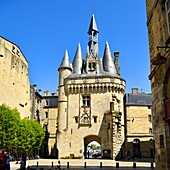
(160, 59)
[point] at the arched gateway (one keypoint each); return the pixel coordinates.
(90, 100)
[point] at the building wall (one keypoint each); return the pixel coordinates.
(51, 120)
(14, 78)
(139, 127)
(159, 75)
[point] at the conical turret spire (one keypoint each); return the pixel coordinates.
(78, 60)
(108, 63)
(93, 36)
(65, 62)
(93, 26)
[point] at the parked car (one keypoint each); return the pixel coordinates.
(96, 154)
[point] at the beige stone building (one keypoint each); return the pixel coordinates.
(139, 137)
(90, 101)
(49, 122)
(158, 22)
(14, 78)
(44, 108)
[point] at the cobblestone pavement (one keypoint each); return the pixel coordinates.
(88, 164)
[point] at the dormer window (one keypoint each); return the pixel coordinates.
(92, 66)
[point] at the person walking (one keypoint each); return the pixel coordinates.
(23, 161)
(3, 158)
(8, 160)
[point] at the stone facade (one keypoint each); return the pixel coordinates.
(139, 136)
(49, 121)
(90, 102)
(14, 78)
(44, 108)
(159, 35)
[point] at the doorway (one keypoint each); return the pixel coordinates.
(136, 148)
(92, 147)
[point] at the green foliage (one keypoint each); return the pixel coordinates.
(19, 134)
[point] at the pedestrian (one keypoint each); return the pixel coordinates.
(23, 161)
(8, 160)
(128, 155)
(3, 158)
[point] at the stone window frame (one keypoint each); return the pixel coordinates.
(86, 100)
(167, 7)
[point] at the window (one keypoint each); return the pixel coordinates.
(95, 119)
(92, 66)
(149, 107)
(167, 6)
(76, 119)
(47, 102)
(150, 130)
(86, 100)
(161, 138)
(149, 118)
(46, 114)
(13, 49)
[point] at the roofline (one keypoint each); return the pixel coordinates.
(15, 45)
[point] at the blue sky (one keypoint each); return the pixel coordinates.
(44, 29)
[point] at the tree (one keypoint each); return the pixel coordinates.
(9, 120)
(19, 134)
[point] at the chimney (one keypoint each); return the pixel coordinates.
(53, 94)
(134, 90)
(46, 93)
(116, 61)
(39, 91)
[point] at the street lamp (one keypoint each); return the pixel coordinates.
(159, 59)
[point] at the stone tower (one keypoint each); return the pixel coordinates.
(90, 101)
(14, 78)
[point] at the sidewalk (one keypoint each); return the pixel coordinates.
(75, 164)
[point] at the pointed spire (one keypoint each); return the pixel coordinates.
(93, 26)
(78, 61)
(108, 63)
(65, 62)
(87, 51)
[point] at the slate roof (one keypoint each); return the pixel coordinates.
(138, 99)
(53, 101)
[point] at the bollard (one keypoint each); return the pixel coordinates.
(84, 164)
(152, 165)
(67, 164)
(117, 164)
(100, 164)
(37, 164)
(52, 164)
(134, 164)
